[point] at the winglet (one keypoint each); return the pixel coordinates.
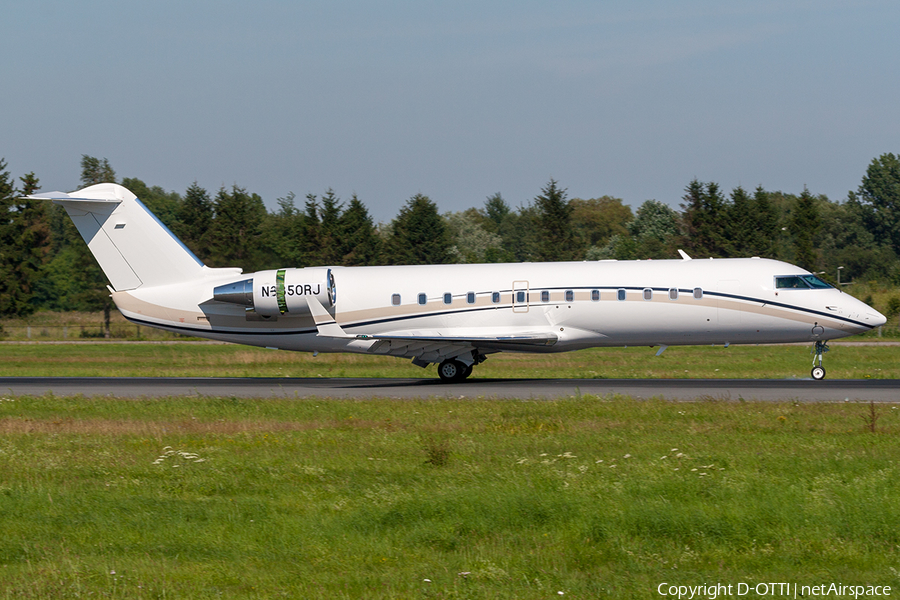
(325, 323)
(683, 254)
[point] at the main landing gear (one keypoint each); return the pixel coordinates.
(818, 371)
(453, 371)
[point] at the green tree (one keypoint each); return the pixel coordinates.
(31, 234)
(331, 246)
(521, 235)
(236, 233)
(765, 232)
(472, 243)
(193, 220)
(740, 224)
(281, 233)
(495, 210)
(24, 244)
(418, 235)
(751, 224)
(70, 279)
(844, 241)
(10, 299)
(95, 170)
(360, 243)
(30, 184)
(554, 224)
(497, 218)
(596, 220)
(804, 225)
(704, 218)
(654, 220)
(879, 199)
(652, 234)
(310, 232)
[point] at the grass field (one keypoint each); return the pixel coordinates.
(594, 498)
(220, 360)
(591, 497)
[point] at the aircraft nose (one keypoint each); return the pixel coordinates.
(874, 318)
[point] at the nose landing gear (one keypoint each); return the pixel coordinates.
(818, 371)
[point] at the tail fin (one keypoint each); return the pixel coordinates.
(133, 247)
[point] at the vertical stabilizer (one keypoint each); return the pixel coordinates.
(133, 247)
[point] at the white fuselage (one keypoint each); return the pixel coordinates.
(580, 304)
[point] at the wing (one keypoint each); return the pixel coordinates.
(432, 346)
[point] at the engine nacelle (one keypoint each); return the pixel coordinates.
(281, 292)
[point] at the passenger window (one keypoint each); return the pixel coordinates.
(570, 296)
(448, 298)
(520, 297)
(423, 299)
(698, 293)
(673, 293)
(395, 299)
(648, 294)
(495, 297)
(595, 295)
(620, 294)
(470, 297)
(545, 296)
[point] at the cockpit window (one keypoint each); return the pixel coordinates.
(789, 282)
(800, 282)
(814, 282)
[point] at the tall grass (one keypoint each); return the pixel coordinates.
(592, 497)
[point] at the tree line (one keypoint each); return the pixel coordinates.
(44, 264)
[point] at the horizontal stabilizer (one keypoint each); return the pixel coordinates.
(63, 197)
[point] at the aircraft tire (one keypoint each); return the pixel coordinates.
(818, 373)
(453, 371)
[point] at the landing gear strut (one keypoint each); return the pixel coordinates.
(818, 371)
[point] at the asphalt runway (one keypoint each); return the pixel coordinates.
(803, 390)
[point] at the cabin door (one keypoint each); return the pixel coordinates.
(520, 296)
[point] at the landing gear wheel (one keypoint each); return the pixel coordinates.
(453, 371)
(818, 371)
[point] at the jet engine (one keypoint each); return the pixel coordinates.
(280, 292)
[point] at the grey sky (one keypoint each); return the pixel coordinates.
(457, 100)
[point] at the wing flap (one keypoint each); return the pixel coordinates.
(517, 339)
(431, 345)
